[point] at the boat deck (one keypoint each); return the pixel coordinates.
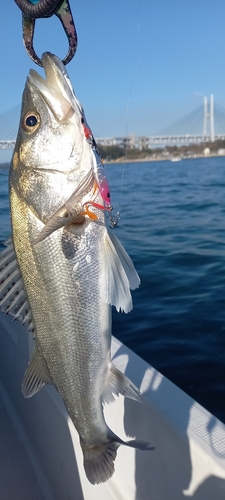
(41, 458)
(18, 477)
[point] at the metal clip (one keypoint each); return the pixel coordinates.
(63, 12)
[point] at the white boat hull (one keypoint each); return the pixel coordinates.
(189, 456)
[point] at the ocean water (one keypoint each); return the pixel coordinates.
(173, 226)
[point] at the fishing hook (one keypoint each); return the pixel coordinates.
(114, 219)
(34, 9)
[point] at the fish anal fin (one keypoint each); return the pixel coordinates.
(117, 384)
(36, 375)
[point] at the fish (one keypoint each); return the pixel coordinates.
(63, 269)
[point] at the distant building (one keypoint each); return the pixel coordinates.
(221, 152)
(206, 151)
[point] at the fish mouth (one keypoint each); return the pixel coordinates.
(56, 89)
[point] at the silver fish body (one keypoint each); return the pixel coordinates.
(62, 286)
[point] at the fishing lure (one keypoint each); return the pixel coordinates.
(102, 182)
(98, 168)
(100, 176)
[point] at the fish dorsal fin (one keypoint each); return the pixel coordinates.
(36, 375)
(118, 274)
(118, 383)
(13, 297)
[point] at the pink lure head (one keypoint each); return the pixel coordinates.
(103, 185)
(99, 172)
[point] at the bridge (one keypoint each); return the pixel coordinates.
(139, 142)
(205, 124)
(7, 144)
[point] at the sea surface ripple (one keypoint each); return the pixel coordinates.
(172, 225)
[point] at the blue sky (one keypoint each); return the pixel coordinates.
(162, 56)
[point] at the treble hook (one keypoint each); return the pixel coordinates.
(33, 9)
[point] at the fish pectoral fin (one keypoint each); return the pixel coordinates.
(50, 227)
(13, 297)
(118, 274)
(36, 375)
(117, 384)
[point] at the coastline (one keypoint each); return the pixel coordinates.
(170, 158)
(147, 159)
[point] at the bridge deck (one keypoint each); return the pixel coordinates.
(140, 142)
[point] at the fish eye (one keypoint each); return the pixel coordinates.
(82, 120)
(31, 122)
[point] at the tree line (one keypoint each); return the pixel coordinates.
(112, 153)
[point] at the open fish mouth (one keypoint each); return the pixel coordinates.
(56, 89)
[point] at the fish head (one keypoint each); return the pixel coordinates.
(51, 130)
(52, 152)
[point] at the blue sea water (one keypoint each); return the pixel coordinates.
(172, 225)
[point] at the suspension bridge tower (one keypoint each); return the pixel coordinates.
(209, 118)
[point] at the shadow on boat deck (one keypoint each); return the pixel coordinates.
(17, 477)
(40, 449)
(37, 442)
(174, 461)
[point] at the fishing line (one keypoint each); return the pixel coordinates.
(115, 219)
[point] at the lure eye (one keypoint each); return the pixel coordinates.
(31, 122)
(82, 120)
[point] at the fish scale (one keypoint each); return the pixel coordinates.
(64, 310)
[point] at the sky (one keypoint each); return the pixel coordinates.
(140, 64)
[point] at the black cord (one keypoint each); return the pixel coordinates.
(43, 8)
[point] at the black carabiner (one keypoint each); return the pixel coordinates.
(46, 8)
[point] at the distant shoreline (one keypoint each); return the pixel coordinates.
(161, 158)
(4, 165)
(149, 159)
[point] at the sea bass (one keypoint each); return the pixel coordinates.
(62, 269)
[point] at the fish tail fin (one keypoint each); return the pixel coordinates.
(99, 460)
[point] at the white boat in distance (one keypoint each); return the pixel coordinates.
(41, 458)
(176, 158)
